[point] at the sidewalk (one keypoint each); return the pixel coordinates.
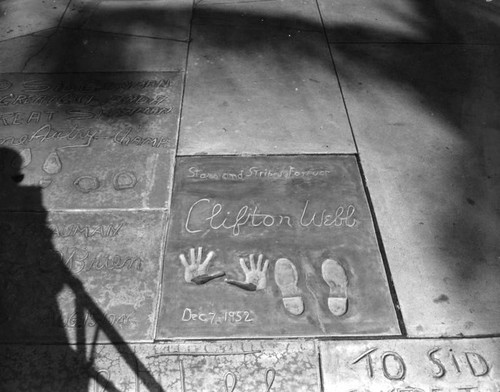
(166, 145)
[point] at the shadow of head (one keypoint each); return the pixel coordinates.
(11, 164)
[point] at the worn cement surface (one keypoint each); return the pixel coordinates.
(415, 365)
(409, 88)
(23, 17)
(427, 132)
(94, 274)
(245, 96)
(409, 21)
(200, 366)
(71, 130)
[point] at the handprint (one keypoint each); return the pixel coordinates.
(195, 271)
(255, 277)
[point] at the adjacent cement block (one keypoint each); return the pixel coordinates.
(407, 21)
(468, 365)
(71, 50)
(264, 15)
(228, 366)
(16, 52)
(307, 216)
(267, 91)
(24, 17)
(426, 125)
(79, 277)
(166, 19)
(87, 141)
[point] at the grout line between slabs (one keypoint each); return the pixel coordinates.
(407, 43)
(321, 379)
(267, 154)
(383, 254)
(125, 35)
(173, 162)
(47, 38)
(316, 341)
(338, 77)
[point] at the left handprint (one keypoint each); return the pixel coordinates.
(195, 271)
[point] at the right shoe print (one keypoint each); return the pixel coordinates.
(286, 277)
(336, 278)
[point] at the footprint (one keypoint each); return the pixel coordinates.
(286, 277)
(336, 278)
(45, 182)
(86, 184)
(52, 164)
(124, 180)
(22, 160)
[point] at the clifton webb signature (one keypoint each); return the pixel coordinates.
(201, 217)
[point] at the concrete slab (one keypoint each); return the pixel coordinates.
(275, 246)
(411, 365)
(79, 277)
(17, 52)
(87, 141)
(23, 17)
(275, 14)
(86, 51)
(426, 124)
(150, 18)
(411, 21)
(266, 92)
(237, 366)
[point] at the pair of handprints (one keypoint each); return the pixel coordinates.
(195, 270)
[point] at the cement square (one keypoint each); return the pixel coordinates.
(88, 141)
(415, 365)
(308, 216)
(266, 91)
(78, 368)
(24, 17)
(426, 124)
(297, 14)
(70, 50)
(408, 21)
(283, 366)
(147, 18)
(79, 277)
(16, 52)
(244, 366)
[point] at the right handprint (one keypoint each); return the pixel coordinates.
(255, 276)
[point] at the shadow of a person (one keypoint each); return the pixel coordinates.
(32, 275)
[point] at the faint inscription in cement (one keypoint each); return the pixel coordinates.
(241, 366)
(79, 276)
(433, 365)
(82, 137)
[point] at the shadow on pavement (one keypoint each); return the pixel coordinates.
(32, 275)
(462, 89)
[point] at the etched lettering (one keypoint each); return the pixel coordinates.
(369, 361)
(400, 366)
(35, 86)
(218, 218)
(341, 217)
(104, 384)
(467, 389)
(216, 318)
(441, 371)
(290, 172)
(125, 138)
(478, 365)
(81, 260)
